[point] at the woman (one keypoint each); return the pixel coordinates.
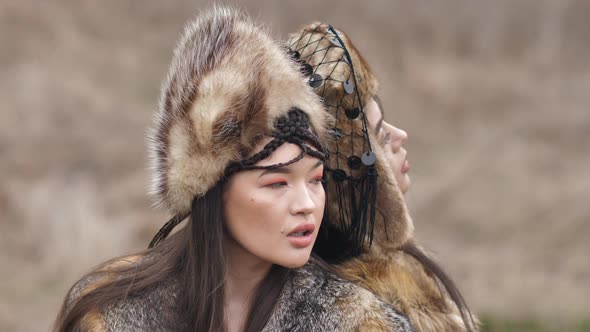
(368, 169)
(237, 149)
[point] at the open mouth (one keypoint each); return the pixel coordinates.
(300, 234)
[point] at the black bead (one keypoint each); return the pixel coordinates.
(306, 69)
(371, 171)
(315, 80)
(338, 175)
(369, 158)
(353, 113)
(354, 162)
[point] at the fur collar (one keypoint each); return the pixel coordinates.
(313, 299)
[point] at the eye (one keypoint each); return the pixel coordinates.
(317, 180)
(277, 185)
(384, 139)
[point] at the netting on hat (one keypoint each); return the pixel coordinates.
(291, 128)
(330, 69)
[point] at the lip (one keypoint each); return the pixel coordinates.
(406, 166)
(302, 241)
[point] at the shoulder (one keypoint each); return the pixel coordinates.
(99, 277)
(401, 279)
(91, 320)
(141, 311)
(315, 299)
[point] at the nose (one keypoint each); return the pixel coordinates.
(401, 135)
(397, 137)
(303, 202)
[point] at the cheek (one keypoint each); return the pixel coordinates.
(390, 158)
(320, 203)
(251, 218)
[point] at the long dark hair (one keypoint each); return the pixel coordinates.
(194, 257)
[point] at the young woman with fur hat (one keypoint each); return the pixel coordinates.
(367, 233)
(238, 150)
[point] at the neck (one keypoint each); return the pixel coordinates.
(244, 272)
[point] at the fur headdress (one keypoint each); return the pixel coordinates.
(227, 85)
(344, 80)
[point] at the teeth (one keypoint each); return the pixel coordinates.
(298, 234)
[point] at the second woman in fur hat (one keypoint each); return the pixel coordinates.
(368, 233)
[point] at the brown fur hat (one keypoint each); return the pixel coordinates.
(227, 84)
(327, 52)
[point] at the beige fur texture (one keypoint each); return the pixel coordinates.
(227, 84)
(384, 268)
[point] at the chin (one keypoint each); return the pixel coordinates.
(407, 183)
(295, 262)
(404, 183)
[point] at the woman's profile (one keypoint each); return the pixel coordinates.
(238, 150)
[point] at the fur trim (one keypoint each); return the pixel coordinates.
(392, 223)
(227, 84)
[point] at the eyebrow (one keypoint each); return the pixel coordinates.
(286, 170)
(380, 122)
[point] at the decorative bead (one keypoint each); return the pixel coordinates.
(306, 69)
(352, 113)
(315, 80)
(354, 162)
(338, 175)
(369, 158)
(348, 86)
(371, 171)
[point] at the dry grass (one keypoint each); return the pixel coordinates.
(494, 96)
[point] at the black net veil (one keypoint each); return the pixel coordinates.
(293, 128)
(352, 179)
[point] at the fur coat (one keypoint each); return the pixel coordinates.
(312, 299)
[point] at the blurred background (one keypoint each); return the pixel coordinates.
(494, 96)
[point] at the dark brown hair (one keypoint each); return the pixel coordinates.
(194, 257)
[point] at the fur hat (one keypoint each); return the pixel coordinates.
(227, 85)
(342, 77)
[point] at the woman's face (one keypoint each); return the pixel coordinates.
(275, 214)
(392, 139)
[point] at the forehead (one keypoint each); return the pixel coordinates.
(285, 155)
(282, 154)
